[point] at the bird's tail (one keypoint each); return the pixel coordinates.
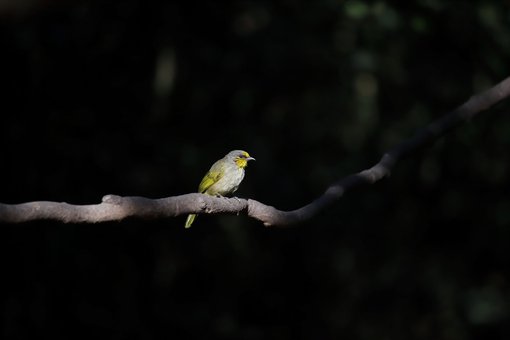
(189, 220)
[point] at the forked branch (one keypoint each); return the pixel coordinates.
(117, 208)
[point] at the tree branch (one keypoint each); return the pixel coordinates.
(117, 208)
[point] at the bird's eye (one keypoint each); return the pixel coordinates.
(242, 156)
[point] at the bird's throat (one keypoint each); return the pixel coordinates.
(242, 163)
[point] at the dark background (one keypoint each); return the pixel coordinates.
(140, 97)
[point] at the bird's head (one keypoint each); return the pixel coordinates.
(240, 158)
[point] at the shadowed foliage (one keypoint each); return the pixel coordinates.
(139, 98)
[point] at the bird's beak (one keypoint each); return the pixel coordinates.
(250, 159)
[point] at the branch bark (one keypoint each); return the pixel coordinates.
(117, 208)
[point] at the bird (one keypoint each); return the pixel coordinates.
(224, 177)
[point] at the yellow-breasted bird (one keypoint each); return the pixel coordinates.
(224, 177)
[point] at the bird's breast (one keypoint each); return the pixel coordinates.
(228, 183)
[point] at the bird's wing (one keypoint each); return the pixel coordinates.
(212, 176)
